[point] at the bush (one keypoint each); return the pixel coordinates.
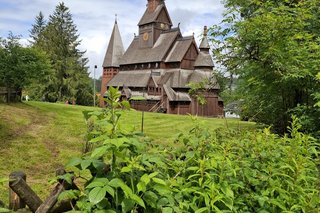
(220, 171)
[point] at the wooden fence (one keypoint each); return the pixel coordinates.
(9, 95)
(21, 195)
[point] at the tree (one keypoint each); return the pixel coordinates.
(36, 33)
(60, 40)
(273, 46)
(20, 65)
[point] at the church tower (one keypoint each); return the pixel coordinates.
(111, 61)
(155, 20)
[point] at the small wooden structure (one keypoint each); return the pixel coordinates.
(8, 95)
(21, 195)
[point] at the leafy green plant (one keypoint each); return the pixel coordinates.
(206, 171)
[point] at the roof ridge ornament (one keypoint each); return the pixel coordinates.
(116, 19)
(205, 31)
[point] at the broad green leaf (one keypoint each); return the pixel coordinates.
(141, 186)
(85, 164)
(126, 169)
(151, 199)
(162, 189)
(98, 182)
(110, 190)
(127, 205)
(152, 175)
(204, 209)
(145, 178)
(99, 152)
(162, 202)
(68, 177)
(69, 195)
(118, 142)
(98, 139)
(74, 162)
(116, 183)
(167, 210)
(3, 210)
(138, 200)
(97, 194)
(159, 181)
(126, 104)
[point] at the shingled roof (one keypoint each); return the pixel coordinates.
(136, 55)
(179, 49)
(130, 79)
(115, 49)
(150, 17)
(204, 43)
(204, 60)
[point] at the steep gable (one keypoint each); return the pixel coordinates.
(115, 49)
(137, 55)
(159, 15)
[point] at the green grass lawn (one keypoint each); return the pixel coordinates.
(38, 137)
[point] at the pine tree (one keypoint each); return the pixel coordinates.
(60, 40)
(36, 33)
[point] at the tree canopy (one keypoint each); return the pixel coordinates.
(273, 47)
(59, 38)
(19, 66)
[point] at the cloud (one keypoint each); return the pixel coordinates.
(95, 19)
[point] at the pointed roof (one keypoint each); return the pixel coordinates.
(179, 50)
(204, 59)
(204, 46)
(115, 48)
(150, 17)
(137, 55)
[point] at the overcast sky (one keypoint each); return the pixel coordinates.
(95, 19)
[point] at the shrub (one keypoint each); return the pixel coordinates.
(204, 171)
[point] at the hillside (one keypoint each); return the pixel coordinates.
(38, 137)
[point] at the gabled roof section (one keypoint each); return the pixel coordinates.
(136, 55)
(179, 49)
(115, 49)
(151, 17)
(204, 60)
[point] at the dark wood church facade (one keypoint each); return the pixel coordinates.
(160, 65)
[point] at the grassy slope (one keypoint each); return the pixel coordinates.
(39, 137)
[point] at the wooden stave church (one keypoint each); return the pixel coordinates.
(159, 66)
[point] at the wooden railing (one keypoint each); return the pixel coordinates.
(9, 95)
(21, 195)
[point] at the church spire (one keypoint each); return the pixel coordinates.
(204, 60)
(115, 48)
(204, 46)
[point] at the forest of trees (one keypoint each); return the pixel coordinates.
(52, 68)
(272, 48)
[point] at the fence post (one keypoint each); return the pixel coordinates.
(22, 190)
(15, 202)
